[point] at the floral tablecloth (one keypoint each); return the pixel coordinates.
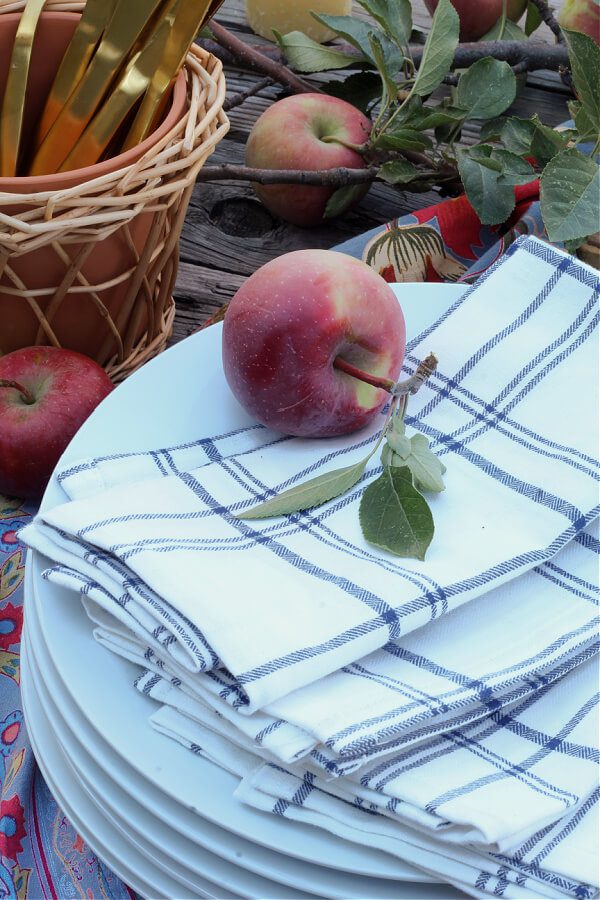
(42, 854)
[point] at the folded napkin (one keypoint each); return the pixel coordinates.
(521, 483)
(507, 807)
(530, 632)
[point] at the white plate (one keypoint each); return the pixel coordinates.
(166, 402)
(182, 832)
(134, 826)
(93, 827)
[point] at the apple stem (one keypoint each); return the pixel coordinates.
(386, 384)
(395, 388)
(26, 395)
(332, 139)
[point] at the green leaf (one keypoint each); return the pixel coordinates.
(569, 191)
(516, 134)
(572, 246)
(493, 202)
(434, 116)
(343, 198)
(360, 89)
(546, 142)
(358, 33)
(438, 52)
(583, 123)
(306, 55)
(510, 32)
(487, 88)
(311, 493)
(403, 139)
(395, 516)
(398, 171)
(415, 453)
(394, 16)
(514, 169)
(533, 20)
(385, 72)
(584, 57)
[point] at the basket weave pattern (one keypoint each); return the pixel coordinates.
(73, 222)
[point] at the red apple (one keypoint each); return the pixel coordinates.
(306, 131)
(582, 15)
(478, 16)
(290, 322)
(45, 395)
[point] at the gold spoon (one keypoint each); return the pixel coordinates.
(13, 106)
(123, 96)
(190, 17)
(94, 19)
(125, 27)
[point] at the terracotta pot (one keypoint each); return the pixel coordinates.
(75, 320)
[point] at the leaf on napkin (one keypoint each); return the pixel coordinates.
(395, 516)
(414, 452)
(311, 493)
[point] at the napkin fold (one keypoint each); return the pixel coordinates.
(283, 603)
(508, 807)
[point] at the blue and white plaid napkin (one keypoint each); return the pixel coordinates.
(507, 807)
(282, 603)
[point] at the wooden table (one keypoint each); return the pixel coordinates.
(228, 234)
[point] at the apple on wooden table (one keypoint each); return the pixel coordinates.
(581, 15)
(46, 394)
(478, 16)
(311, 343)
(309, 132)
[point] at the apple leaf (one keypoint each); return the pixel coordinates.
(415, 453)
(360, 89)
(311, 493)
(438, 52)
(506, 30)
(395, 516)
(569, 191)
(584, 57)
(533, 20)
(359, 33)
(487, 88)
(305, 55)
(394, 16)
(403, 139)
(385, 73)
(434, 116)
(547, 142)
(398, 171)
(514, 169)
(583, 124)
(516, 134)
(343, 198)
(493, 202)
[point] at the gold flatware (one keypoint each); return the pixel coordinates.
(94, 19)
(190, 16)
(126, 25)
(13, 105)
(124, 95)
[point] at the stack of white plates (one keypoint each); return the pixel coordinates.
(162, 818)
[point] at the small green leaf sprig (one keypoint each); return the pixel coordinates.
(394, 515)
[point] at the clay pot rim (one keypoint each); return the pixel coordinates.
(30, 184)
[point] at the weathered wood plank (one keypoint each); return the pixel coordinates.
(228, 234)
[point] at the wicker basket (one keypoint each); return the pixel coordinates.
(130, 218)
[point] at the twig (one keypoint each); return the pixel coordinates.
(548, 17)
(411, 385)
(521, 67)
(254, 59)
(239, 98)
(338, 177)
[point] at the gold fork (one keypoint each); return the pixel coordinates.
(13, 105)
(125, 27)
(94, 19)
(191, 15)
(124, 95)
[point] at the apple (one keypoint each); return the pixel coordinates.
(478, 16)
(309, 132)
(45, 395)
(581, 15)
(302, 336)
